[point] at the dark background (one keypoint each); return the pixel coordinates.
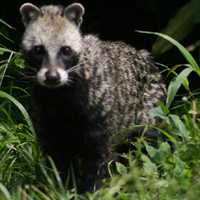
(110, 19)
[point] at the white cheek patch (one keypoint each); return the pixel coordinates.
(64, 77)
(41, 76)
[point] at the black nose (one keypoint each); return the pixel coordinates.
(52, 77)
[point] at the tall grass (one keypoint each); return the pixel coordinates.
(162, 172)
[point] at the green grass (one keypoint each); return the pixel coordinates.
(160, 173)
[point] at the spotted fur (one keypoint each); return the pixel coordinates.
(111, 87)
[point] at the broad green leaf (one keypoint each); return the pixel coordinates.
(149, 166)
(178, 28)
(165, 148)
(121, 169)
(20, 107)
(179, 125)
(150, 150)
(176, 83)
(19, 62)
(180, 168)
(160, 111)
(162, 153)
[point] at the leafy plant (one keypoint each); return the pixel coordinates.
(167, 170)
(180, 26)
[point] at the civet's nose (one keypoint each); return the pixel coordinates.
(52, 77)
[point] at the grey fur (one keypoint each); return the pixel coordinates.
(121, 84)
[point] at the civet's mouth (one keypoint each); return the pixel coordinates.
(52, 78)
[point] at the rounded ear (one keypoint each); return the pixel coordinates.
(74, 13)
(29, 12)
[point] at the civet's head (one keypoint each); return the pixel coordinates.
(52, 41)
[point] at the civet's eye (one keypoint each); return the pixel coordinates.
(39, 50)
(66, 51)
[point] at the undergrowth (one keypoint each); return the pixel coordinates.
(168, 170)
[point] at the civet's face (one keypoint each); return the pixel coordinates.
(52, 41)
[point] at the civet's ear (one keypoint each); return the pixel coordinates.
(74, 13)
(29, 12)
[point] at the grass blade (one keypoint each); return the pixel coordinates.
(4, 194)
(6, 24)
(5, 68)
(181, 48)
(20, 107)
(175, 84)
